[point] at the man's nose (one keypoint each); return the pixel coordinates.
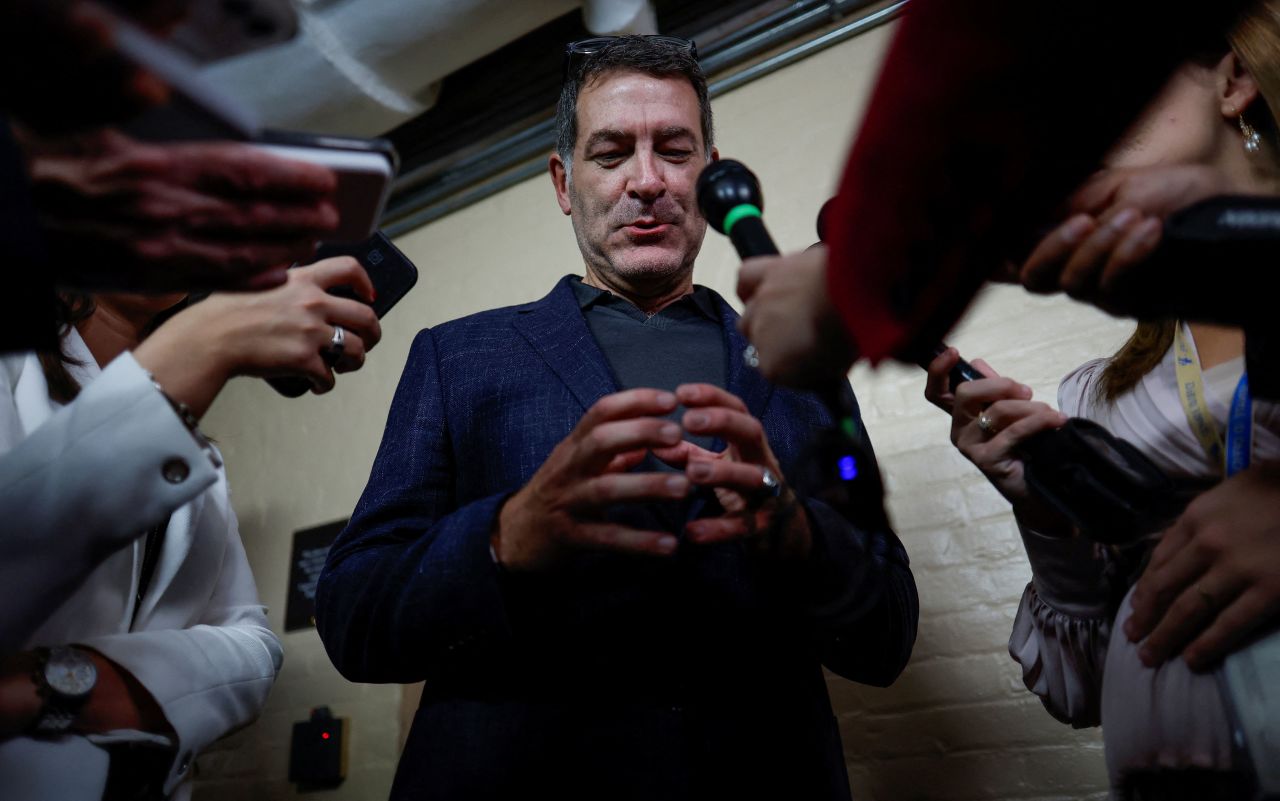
(646, 182)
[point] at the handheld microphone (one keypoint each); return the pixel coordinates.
(846, 476)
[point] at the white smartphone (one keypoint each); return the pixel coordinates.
(365, 170)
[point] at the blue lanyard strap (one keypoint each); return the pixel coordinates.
(1240, 428)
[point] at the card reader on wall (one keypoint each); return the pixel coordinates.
(318, 753)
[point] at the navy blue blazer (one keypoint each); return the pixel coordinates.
(613, 677)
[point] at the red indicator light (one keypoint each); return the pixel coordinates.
(324, 735)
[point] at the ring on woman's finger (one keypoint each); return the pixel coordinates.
(338, 342)
(1206, 596)
(986, 425)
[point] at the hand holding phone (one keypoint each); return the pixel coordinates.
(391, 273)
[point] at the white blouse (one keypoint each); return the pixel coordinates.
(1165, 717)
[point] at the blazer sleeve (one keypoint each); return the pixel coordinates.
(857, 592)
(410, 586)
(212, 677)
(87, 482)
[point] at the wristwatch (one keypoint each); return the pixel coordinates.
(64, 677)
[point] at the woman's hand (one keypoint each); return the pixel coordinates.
(283, 331)
(1214, 579)
(989, 419)
(1116, 224)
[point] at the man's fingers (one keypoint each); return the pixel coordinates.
(739, 429)
(1043, 268)
(630, 403)
(739, 476)
(694, 395)
(625, 461)
(682, 453)
(611, 488)
(597, 446)
(1159, 588)
(1232, 625)
(609, 537)
(1190, 614)
(712, 530)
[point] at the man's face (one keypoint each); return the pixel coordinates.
(635, 166)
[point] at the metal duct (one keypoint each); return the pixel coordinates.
(361, 67)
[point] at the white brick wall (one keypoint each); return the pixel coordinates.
(958, 725)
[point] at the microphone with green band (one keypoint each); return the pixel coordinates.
(844, 473)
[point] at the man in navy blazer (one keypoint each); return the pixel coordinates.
(579, 530)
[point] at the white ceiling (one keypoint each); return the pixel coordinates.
(361, 67)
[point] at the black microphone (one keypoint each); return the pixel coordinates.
(846, 476)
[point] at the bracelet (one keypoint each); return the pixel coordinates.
(189, 420)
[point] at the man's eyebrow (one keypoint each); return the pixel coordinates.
(675, 132)
(605, 135)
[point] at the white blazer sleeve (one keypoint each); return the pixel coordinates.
(213, 676)
(85, 483)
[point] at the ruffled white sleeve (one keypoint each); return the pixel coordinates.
(1063, 625)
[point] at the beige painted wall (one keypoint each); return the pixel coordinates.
(957, 725)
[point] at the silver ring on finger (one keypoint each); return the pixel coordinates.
(751, 357)
(770, 486)
(986, 425)
(338, 342)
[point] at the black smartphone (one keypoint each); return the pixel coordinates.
(392, 275)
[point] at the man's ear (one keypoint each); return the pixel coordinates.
(560, 180)
(1237, 88)
(715, 154)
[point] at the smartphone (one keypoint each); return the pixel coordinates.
(365, 170)
(1250, 682)
(392, 275)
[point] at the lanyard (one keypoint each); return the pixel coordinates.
(1232, 452)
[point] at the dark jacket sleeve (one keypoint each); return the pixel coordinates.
(410, 583)
(858, 592)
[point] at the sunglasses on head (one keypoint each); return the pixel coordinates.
(575, 52)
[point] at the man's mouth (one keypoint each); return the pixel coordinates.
(647, 227)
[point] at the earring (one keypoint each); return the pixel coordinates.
(1252, 140)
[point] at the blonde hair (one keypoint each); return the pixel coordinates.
(1255, 39)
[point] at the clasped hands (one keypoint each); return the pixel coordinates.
(562, 508)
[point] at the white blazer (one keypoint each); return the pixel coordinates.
(78, 484)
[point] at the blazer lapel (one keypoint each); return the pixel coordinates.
(554, 326)
(743, 381)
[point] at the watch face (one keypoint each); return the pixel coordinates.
(70, 673)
